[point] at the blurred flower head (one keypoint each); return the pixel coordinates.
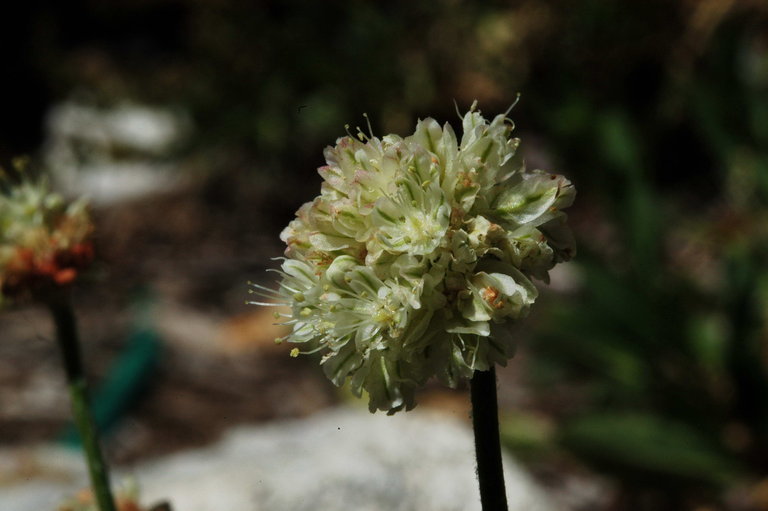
(44, 242)
(415, 254)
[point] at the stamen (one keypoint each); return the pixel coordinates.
(368, 120)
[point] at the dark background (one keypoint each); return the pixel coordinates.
(645, 366)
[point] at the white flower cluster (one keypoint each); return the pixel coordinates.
(414, 253)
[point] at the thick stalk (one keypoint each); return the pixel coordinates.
(66, 334)
(485, 422)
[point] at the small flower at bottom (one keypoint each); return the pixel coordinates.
(416, 253)
(126, 499)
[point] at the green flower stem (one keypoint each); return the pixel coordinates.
(66, 334)
(485, 422)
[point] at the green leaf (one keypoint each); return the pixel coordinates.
(526, 433)
(647, 444)
(623, 154)
(619, 144)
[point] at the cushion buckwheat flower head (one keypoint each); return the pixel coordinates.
(416, 253)
(44, 241)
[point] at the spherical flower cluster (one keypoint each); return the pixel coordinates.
(44, 242)
(416, 252)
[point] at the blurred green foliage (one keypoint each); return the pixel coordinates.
(668, 336)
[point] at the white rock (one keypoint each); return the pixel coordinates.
(344, 459)
(113, 154)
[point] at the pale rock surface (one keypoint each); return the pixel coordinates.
(344, 459)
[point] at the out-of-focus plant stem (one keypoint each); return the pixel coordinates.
(485, 422)
(66, 335)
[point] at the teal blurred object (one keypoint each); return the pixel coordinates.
(125, 380)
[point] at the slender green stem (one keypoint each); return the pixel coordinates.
(66, 334)
(485, 422)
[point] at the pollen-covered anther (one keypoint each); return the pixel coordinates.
(457, 216)
(382, 316)
(320, 258)
(325, 326)
(493, 297)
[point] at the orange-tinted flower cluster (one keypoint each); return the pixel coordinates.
(28, 271)
(44, 243)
